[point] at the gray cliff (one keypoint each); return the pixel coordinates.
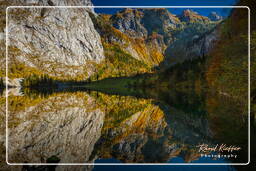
(60, 42)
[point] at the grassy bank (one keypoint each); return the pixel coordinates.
(120, 85)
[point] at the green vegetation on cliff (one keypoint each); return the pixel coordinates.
(118, 64)
(224, 69)
(227, 65)
(146, 52)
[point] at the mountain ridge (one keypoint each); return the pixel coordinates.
(140, 36)
(165, 28)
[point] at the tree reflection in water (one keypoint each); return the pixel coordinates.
(77, 125)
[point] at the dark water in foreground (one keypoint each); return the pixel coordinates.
(77, 125)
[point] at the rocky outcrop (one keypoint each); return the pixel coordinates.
(172, 34)
(143, 22)
(201, 46)
(133, 40)
(162, 22)
(193, 47)
(142, 33)
(129, 21)
(59, 42)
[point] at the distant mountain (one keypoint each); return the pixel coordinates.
(145, 22)
(163, 36)
(213, 16)
(192, 16)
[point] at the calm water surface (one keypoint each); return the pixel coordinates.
(77, 125)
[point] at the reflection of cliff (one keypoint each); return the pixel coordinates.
(126, 140)
(149, 134)
(80, 127)
(63, 127)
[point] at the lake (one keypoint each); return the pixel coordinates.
(71, 124)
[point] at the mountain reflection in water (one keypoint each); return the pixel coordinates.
(77, 125)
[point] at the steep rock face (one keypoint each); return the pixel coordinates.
(160, 21)
(64, 127)
(142, 33)
(204, 44)
(58, 42)
(159, 35)
(130, 39)
(197, 46)
(143, 22)
(129, 22)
